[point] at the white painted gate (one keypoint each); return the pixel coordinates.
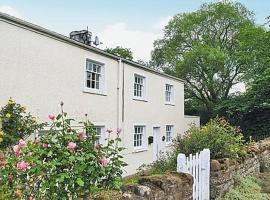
(198, 166)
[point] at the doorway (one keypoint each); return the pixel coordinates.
(157, 141)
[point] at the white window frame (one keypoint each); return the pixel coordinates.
(169, 138)
(102, 133)
(102, 82)
(143, 140)
(171, 101)
(144, 89)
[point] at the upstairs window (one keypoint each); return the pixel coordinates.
(94, 75)
(169, 133)
(139, 86)
(139, 132)
(169, 93)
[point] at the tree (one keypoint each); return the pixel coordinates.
(121, 52)
(254, 51)
(203, 48)
(251, 110)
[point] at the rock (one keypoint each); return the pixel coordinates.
(127, 196)
(142, 191)
(215, 165)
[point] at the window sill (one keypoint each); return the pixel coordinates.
(97, 92)
(139, 150)
(169, 104)
(138, 99)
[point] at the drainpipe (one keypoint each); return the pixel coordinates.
(118, 107)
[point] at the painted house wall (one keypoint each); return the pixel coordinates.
(190, 121)
(39, 71)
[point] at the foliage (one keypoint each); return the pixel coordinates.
(223, 140)
(254, 51)
(164, 163)
(121, 52)
(62, 164)
(15, 124)
(205, 49)
(251, 110)
(247, 189)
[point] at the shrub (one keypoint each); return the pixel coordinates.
(167, 162)
(62, 164)
(15, 124)
(247, 189)
(218, 135)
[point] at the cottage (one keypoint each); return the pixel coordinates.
(39, 68)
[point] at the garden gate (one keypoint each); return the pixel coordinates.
(198, 166)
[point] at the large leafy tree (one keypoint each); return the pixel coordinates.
(251, 110)
(254, 51)
(204, 48)
(121, 51)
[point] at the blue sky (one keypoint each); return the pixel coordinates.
(129, 23)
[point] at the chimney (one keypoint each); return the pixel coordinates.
(83, 36)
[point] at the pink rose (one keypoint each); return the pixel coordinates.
(2, 156)
(82, 136)
(16, 148)
(45, 145)
(71, 145)
(22, 165)
(2, 163)
(98, 146)
(118, 131)
(18, 153)
(104, 161)
(61, 103)
(51, 117)
(22, 143)
(109, 130)
(27, 187)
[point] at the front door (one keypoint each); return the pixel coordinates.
(157, 141)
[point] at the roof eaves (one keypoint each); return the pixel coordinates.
(47, 32)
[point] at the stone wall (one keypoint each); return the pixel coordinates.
(169, 186)
(224, 172)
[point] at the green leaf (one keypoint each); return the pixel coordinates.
(80, 182)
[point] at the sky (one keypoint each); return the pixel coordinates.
(133, 24)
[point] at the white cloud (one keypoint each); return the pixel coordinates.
(140, 42)
(11, 11)
(239, 87)
(162, 22)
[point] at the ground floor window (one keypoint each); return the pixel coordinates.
(100, 130)
(169, 133)
(139, 132)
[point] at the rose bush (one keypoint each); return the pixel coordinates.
(61, 164)
(16, 123)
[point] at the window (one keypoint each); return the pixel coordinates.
(100, 132)
(139, 132)
(169, 133)
(94, 75)
(169, 93)
(139, 86)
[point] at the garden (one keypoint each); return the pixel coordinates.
(63, 163)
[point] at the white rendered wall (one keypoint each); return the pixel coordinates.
(39, 71)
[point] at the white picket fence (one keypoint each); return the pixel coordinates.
(198, 166)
